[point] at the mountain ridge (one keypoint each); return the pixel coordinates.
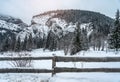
(80, 12)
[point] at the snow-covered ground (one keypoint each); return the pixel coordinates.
(63, 77)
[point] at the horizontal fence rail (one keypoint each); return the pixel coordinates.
(24, 58)
(65, 59)
(87, 59)
(19, 70)
(59, 70)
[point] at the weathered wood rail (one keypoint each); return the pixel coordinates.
(24, 58)
(20, 70)
(56, 59)
(87, 59)
(58, 70)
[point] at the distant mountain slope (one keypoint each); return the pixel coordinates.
(10, 26)
(62, 23)
(58, 28)
(66, 17)
(77, 15)
(13, 20)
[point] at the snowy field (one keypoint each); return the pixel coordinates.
(63, 77)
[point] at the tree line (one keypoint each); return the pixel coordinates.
(15, 43)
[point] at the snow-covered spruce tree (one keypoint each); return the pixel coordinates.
(77, 41)
(114, 37)
(18, 45)
(39, 41)
(47, 42)
(24, 46)
(30, 42)
(85, 44)
(54, 44)
(6, 44)
(13, 41)
(51, 41)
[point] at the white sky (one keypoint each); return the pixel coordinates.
(25, 9)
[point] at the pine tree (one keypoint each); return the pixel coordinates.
(24, 47)
(114, 39)
(18, 45)
(30, 42)
(39, 41)
(51, 41)
(13, 38)
(85, 44)
(47, 44)
(6, 45)
(77, 42)
(53, 44)
(35, 42)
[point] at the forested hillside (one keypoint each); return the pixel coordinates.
(56, 30)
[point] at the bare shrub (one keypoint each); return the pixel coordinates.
(22, 63)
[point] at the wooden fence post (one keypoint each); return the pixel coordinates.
(53, 65)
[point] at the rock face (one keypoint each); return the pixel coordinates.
(59, 25)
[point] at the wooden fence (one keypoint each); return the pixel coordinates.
(56, 59)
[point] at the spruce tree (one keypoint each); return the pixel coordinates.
(6, 45)
(13, 38)
(18, 45)
(47, 44)
(114, 39)
(51, 41)
(24, 47)
(85, 44)
(77, 41)
(39, 42)
(30, 42)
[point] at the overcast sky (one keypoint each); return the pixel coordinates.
(25, 9)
